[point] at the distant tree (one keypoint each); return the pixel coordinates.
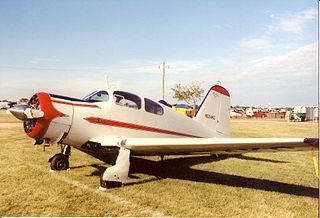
(191, 93)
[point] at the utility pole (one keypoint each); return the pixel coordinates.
(164, 67)
(106, 77)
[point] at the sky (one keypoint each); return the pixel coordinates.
(263, 52)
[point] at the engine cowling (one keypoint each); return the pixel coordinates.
(55, 121)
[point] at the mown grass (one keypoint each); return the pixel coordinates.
(281, 184)
(7, 118)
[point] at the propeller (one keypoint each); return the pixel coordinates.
(18, 111)
(24, 112)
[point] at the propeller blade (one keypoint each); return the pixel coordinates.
(19, 111)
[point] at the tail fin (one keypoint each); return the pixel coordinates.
(214, 111)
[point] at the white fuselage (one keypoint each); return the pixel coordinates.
(85, 120)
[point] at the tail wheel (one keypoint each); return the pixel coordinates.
(59, 162)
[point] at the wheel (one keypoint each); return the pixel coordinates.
(109, 184)
(59, 162)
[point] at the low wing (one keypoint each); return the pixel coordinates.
(166, 146)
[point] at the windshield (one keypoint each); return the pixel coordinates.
(101, 96)
(87, 96)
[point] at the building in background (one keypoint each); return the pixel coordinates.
(312, 113)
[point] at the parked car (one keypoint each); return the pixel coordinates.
(4, 105)
(259, 114)
(249, 112)
(234, 114)
(298, 117)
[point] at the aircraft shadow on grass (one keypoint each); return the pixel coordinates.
(180, 168)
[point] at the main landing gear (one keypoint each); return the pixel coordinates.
(60, 161)
(115, 175)
(112, 176)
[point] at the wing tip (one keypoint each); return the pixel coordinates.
(314, 142)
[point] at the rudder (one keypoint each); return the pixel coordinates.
(214, 111)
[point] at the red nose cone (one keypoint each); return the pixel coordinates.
(50, 112)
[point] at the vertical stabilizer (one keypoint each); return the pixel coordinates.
(214, 111)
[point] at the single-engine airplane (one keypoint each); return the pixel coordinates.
(114, 120)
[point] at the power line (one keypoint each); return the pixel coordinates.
(69, 69)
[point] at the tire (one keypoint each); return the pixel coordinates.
(59, 162)
(113, 184)
(109, 184)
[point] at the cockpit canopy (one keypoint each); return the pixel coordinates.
(125, 99)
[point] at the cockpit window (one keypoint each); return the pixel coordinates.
(101, 96)
(127, 99)
(152, 107)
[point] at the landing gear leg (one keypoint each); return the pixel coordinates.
(115, 175)
(162, 157)
(60, 161)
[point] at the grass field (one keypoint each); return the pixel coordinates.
(6, 118)
(281, 184)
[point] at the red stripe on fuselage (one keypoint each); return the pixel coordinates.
(101, 121)
(75, 104)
